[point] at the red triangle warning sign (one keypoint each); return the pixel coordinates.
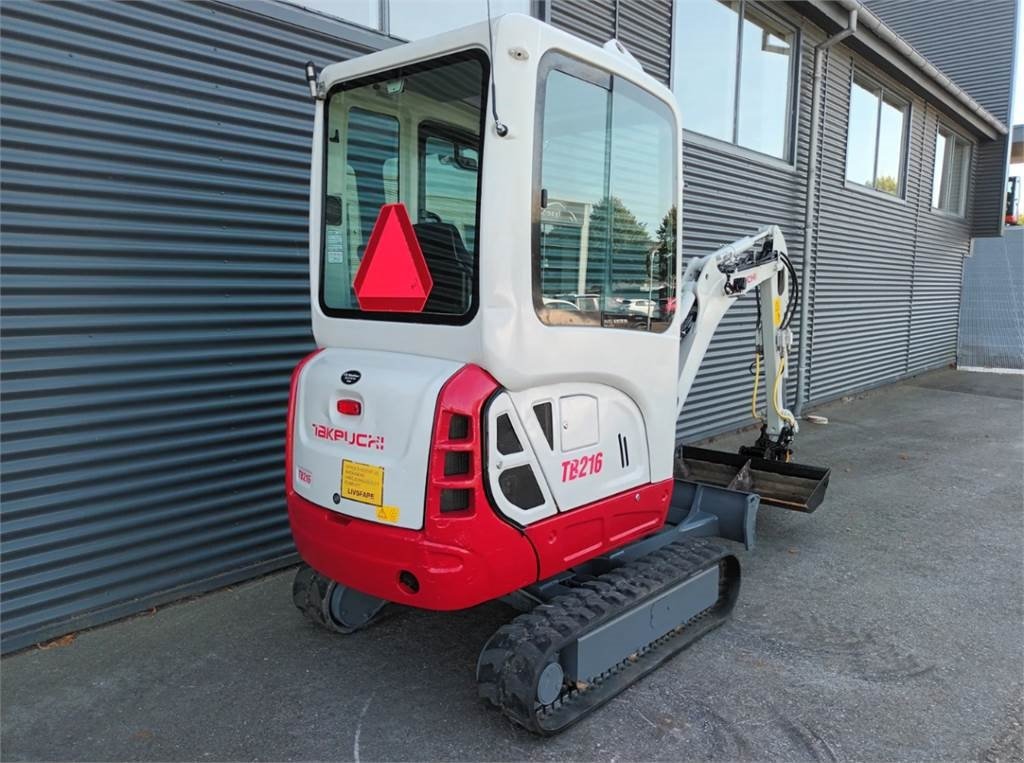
(393, 275)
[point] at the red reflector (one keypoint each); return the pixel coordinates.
(393, 275)
(350, 407)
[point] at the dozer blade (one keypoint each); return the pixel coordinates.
(786, 485)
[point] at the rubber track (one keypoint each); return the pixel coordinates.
(512, 660)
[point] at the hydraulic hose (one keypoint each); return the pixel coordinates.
(784, 415)
(757, 380)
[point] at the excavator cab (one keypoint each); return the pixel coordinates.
(506, 339)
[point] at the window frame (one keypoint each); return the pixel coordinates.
(793, 97)
(466, 54)
(942, 128)
(557, 60)
(434, 128)
(876, 86)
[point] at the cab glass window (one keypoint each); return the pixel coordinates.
(604, 244)
(412, 136)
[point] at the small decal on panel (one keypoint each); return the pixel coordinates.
(358, 439)
(387, 514)
(351, 377)
(584, 466)
(305, 476)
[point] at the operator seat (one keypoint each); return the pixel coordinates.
(450, 264)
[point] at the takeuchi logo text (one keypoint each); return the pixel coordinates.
(357, 439)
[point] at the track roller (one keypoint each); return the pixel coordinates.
(551, 666)
(333, 606)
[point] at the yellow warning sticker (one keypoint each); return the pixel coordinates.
(362, 482)
(387, 514)
(777, 311)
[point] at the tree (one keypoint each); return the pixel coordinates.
(888, 184)
(618, 244)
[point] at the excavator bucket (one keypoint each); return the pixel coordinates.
(787, 485)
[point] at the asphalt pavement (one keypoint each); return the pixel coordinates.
(888, 625)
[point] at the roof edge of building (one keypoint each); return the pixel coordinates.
(905, 52)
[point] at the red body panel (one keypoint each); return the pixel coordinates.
(573, 537)
(470, 556)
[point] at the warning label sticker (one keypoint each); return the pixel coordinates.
(362, 482)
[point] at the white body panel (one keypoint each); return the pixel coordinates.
(506, 337)
(588, 420)
(598, 447)
(605, 383)
(398, 395)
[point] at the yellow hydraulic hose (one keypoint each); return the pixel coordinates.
(775, 395)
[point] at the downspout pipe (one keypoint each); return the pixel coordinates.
(810, 208)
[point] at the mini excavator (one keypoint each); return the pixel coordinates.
(507, 337)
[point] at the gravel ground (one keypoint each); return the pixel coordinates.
(886, 626)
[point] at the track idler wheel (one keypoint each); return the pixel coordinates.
(333, 606)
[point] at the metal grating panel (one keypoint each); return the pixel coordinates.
(992, 315)
(972, 41)
(155, 298)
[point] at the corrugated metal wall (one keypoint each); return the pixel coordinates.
(644, 27)
(972, 41)
(886, 270)
(155, 297)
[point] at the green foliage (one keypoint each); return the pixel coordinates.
(888, 184)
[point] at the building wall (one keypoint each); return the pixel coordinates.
(886, 271)
(155, 170)
(155, 284)
(973, 42)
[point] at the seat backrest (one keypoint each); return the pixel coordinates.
(450, 264)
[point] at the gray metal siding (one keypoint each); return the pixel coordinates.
(155, 298)
(886, 271)
(644, 27)
(972, 41)
(593, 20)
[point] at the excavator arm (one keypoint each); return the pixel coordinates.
(710, 286)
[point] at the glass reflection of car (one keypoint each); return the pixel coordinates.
(632, 306)
(560, 304)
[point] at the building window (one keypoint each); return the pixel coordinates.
(413, 19)
(604, 246)
(952, 172)
(876, 141)
(733, 69)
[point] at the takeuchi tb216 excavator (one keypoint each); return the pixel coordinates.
(508, 335)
